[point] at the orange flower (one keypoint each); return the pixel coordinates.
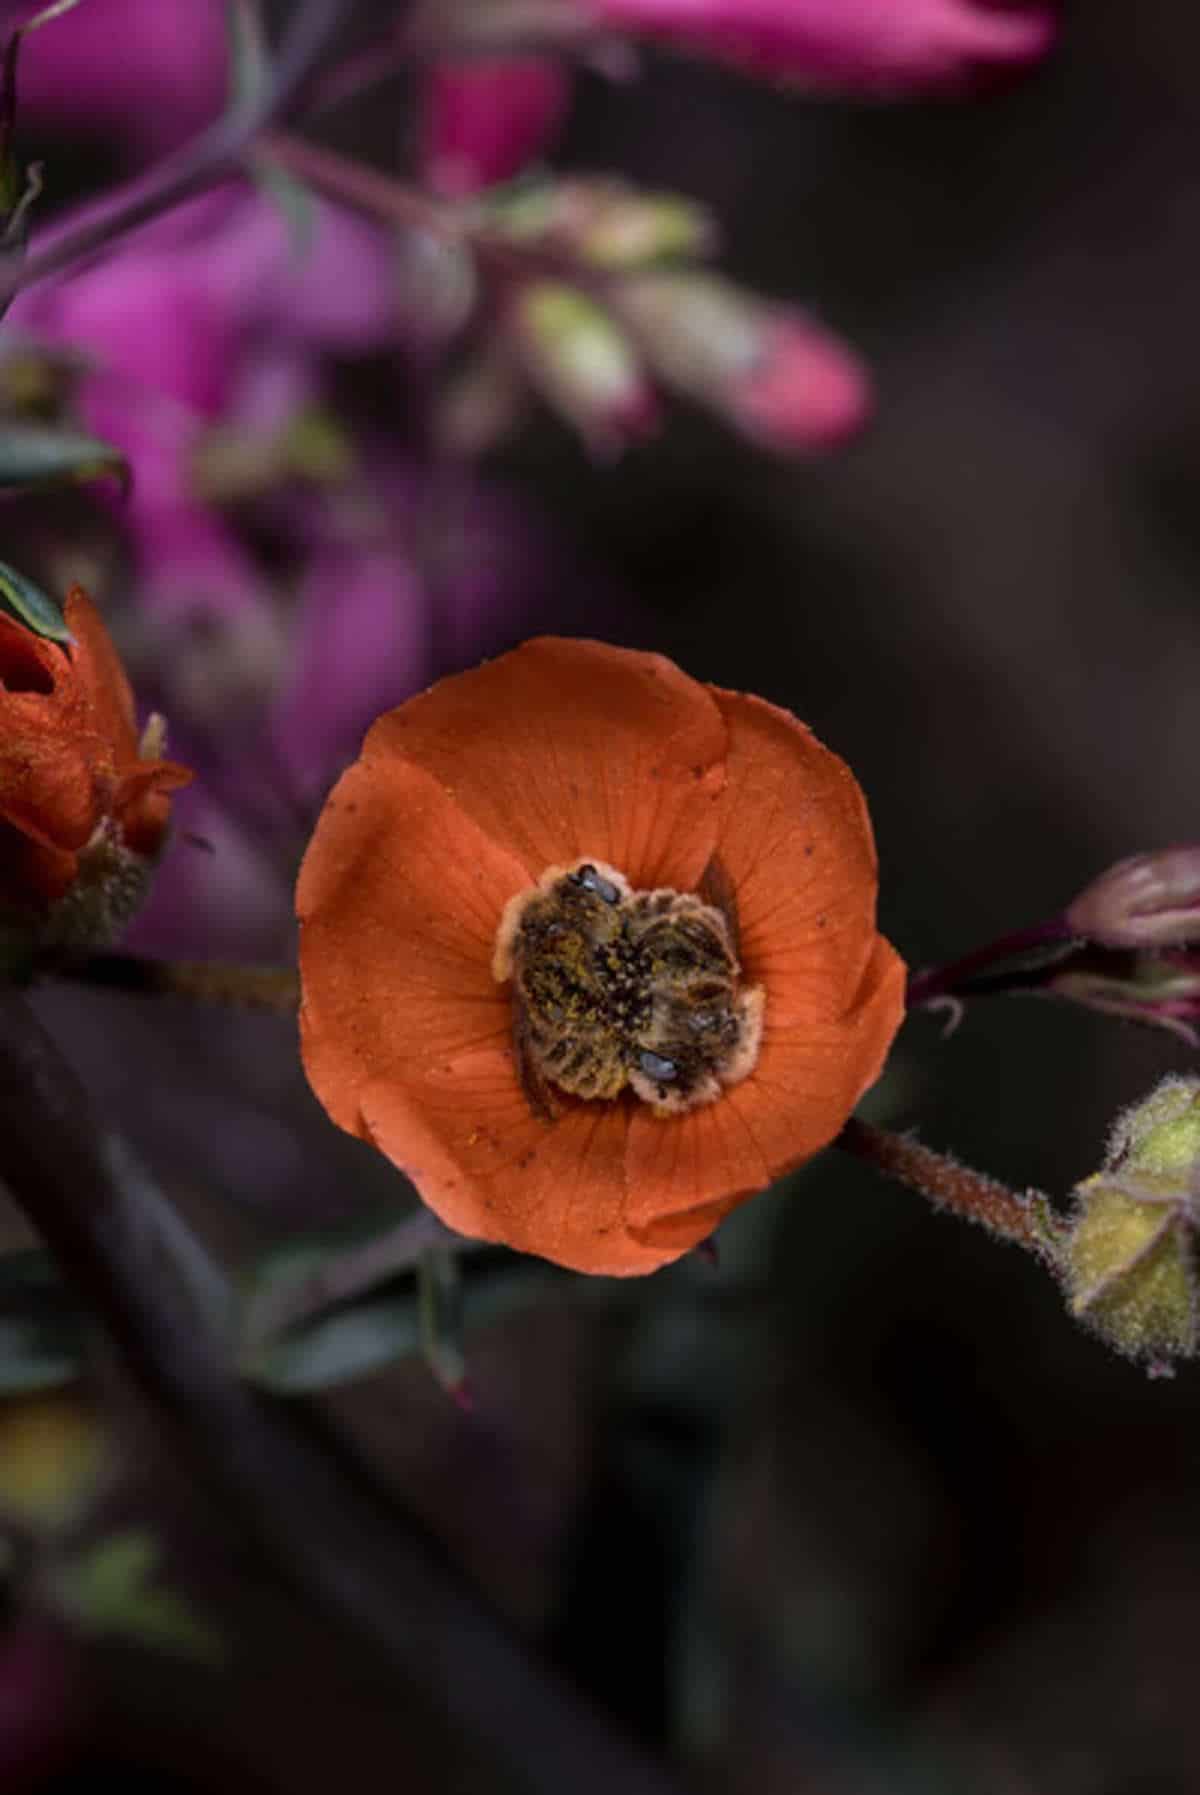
(484, 857)
(83, 811)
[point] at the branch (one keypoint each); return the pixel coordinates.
(330, 1533)
(212, 157)
(1025, 1220)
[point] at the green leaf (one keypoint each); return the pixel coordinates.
(351, 1339)
(34, 455)
(43, 1334)
(440, 1306)
(314, 1272)
(31, 606)
(249, 63)
(295, 201)
(111, 1589)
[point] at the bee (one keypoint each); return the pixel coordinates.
(615, 989)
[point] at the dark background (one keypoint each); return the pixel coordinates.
(862, 1510)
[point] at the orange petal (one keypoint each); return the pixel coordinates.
(399, 898)
(563, 749)
(142, 802)
(99, 676)
(490, 1169)
(28, 663)
(796, 841)
(49, 782)
(407, 1038)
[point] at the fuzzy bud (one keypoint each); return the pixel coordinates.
(1130, 1258)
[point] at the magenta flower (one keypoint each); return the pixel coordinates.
(210, 317)
(485, 118)
(147, 72)
(879, 47)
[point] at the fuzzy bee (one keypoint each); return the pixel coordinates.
(616, 989)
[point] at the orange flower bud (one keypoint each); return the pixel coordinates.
(83, 805)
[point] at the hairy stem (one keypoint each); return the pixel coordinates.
(328, 1530)
(272, 988)
(1024, 1219)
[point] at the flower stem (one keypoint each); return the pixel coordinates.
(1026, 1220)
(1004, 964)
(355, 184)
(272, 988)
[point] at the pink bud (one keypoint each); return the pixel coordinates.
(1151, 900)
(880, 47)
(769, 369)
(486, 118)
(808, 391)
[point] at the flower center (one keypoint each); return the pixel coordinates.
(615, 988)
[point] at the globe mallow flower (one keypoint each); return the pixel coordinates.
(588, 950)
(84, 803)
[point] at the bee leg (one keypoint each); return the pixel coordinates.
(537, 1091)
(716, 888)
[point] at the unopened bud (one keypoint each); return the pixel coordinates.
(1150, 900)
(770, 370)
(602, 223)
(1130, 1258)
(485, 118)
(582, 363)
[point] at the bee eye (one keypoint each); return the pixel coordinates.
(590, 880)
(658, 1067)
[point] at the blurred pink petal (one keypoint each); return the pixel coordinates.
(218, 888)
(807, 391)
(216, 315)
(878, 47)
(149, 72)
(43, 1705)
(484, 119)
(362, 644)
(173, 305)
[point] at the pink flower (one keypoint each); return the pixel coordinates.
(485, 118)
(149, 72)
(879, 47)
(211, 316)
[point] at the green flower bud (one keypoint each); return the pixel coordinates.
(1130, 1257)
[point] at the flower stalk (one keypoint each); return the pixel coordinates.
(1023, 1218)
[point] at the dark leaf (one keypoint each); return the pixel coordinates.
(352, 1339)
(31, 606)
(43, 1335)
(34, 455)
